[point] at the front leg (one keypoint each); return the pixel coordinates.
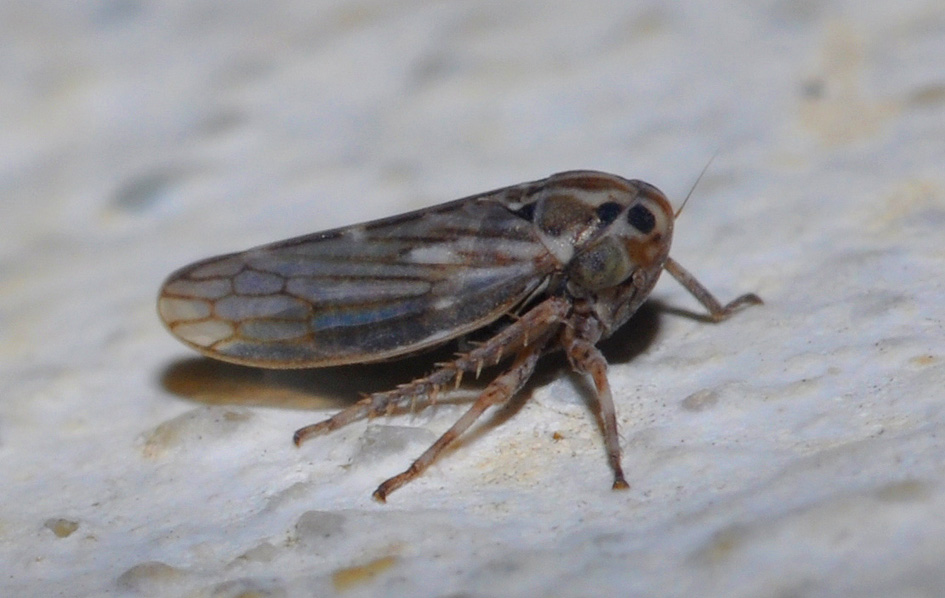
(717, 311)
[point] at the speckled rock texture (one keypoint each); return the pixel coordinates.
(797, 449)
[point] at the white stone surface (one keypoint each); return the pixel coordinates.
(795, 450)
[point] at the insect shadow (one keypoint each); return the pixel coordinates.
(213, 382)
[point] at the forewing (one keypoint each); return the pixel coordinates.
(361, 293)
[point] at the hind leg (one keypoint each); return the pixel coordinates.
(531, 326)
(499, 391)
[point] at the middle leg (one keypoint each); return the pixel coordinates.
(587, 359)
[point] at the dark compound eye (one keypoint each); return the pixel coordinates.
(526, 212)
(608, 212)
(641, 218)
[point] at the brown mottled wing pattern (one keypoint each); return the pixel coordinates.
(362, 293)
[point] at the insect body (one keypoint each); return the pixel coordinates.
(559, 263)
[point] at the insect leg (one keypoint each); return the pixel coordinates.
(587, 359)
(717, 312)
(499, 390)
(379, 402)
(532, 325)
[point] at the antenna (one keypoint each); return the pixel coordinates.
(693, 188)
